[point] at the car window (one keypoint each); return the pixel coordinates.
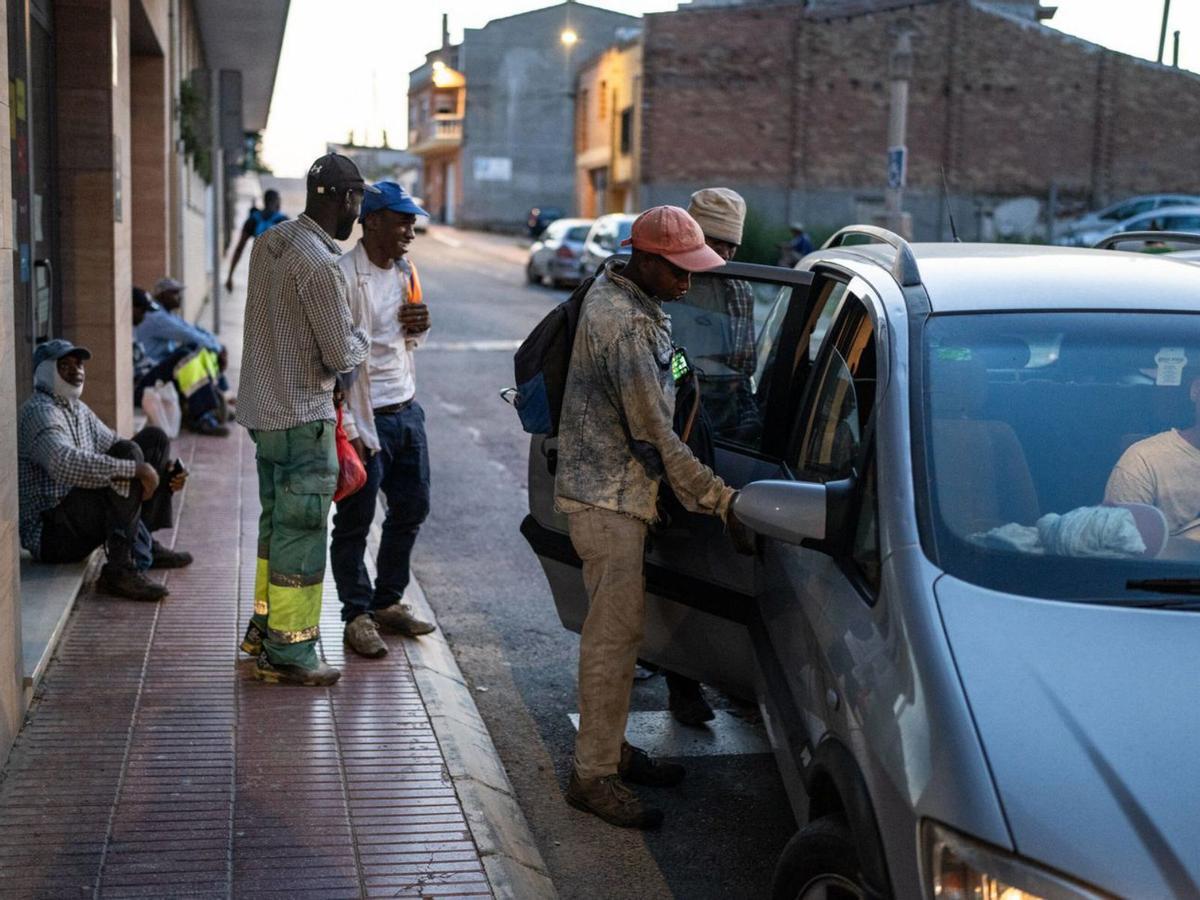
(864, 551)
(1181, 223)
(1125, 210)
(578, 233)
(842, 397)
(606, 236)
(624, 228)
(729, 328)
(1058, 448)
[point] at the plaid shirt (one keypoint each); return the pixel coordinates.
(739, 300)
(61, 445)
(298, 333)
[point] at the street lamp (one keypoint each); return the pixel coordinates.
(569, 37)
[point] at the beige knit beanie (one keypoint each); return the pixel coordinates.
(720, 213)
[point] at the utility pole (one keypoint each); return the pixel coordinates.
(1162, 34)
(900, 72)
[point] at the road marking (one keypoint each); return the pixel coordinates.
(471, 346)
(660, 735)
(443, 239)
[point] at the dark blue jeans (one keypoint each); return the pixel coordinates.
(401, 470)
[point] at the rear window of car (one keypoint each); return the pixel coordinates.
(578, 233)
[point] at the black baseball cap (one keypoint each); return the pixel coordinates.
(334, 172)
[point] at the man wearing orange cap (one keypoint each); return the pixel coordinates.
(616, 442)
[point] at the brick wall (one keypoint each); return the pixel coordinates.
(774, 98)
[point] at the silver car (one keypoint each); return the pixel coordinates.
(1108, 220)
(556, 255)
(979, 679)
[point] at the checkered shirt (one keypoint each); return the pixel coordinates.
(740, 303)
(61, 445)
(298, 332)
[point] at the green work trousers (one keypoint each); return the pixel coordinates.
(297, 474)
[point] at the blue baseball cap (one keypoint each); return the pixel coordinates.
(57, 349)
(390, 196)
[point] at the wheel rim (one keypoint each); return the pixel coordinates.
(831, 887)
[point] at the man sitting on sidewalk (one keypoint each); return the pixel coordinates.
(169, 349)
(82, 486)
(385, 423)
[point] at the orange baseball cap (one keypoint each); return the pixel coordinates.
(671, 233)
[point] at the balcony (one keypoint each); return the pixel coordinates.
(441, 132)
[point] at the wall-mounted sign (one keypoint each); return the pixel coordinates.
(897, 168)
(493, 168)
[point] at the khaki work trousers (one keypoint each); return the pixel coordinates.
(611, 547)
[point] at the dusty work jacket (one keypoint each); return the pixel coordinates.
(615, 435)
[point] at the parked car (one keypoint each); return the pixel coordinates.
(539, 217)
(1173, 218)
(604, 239)
(965, 696)
(555, 256)
(422, 223)
(1073, 232)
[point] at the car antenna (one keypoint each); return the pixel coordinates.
(949, 211)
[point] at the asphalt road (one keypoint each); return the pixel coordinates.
(729, 820)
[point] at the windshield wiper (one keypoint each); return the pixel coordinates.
(1165, 585)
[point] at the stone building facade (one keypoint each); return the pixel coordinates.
(788, 103)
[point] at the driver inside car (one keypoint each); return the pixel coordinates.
(1163, 470)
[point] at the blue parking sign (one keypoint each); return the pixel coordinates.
(897, 166)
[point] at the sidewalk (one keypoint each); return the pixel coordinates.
(151, 763)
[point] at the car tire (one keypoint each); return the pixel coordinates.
(530, 275)
(820, 861)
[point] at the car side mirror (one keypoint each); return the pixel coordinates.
(789, 511)
(793, 511)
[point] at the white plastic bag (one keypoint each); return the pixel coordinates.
(161, 406)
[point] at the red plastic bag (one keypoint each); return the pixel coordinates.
(352, 474)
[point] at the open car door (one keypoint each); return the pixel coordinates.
(746, 331)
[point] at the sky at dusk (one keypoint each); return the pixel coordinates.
(334, 81)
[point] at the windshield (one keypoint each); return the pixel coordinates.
(1061, 450)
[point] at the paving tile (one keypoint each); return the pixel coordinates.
(147, 770)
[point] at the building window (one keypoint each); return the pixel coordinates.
(602, 106)
(626, 131)
(582, 127)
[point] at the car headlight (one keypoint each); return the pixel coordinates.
(963, 869)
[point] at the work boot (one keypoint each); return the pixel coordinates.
(399, 618)
(252, 641)
(280, 673)
(686, 701)
(122, 581)
(166, 558)
(362, 636)
(611, 800)
(638, 767)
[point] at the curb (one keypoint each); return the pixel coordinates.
(510, 855)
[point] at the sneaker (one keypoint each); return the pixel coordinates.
(613, 801)
(362, 636)
(208, 425)
(252, 641)
(279, 673)
(166, 558)
(399, 618)
(639, 767)
(686, 701)
(129, 583)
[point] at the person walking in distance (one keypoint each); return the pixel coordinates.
(616, 443)
(256, 223)
(385, 424)
(298, 336)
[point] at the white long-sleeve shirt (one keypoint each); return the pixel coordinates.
(388, 375)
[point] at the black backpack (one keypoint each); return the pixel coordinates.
(541, 364)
